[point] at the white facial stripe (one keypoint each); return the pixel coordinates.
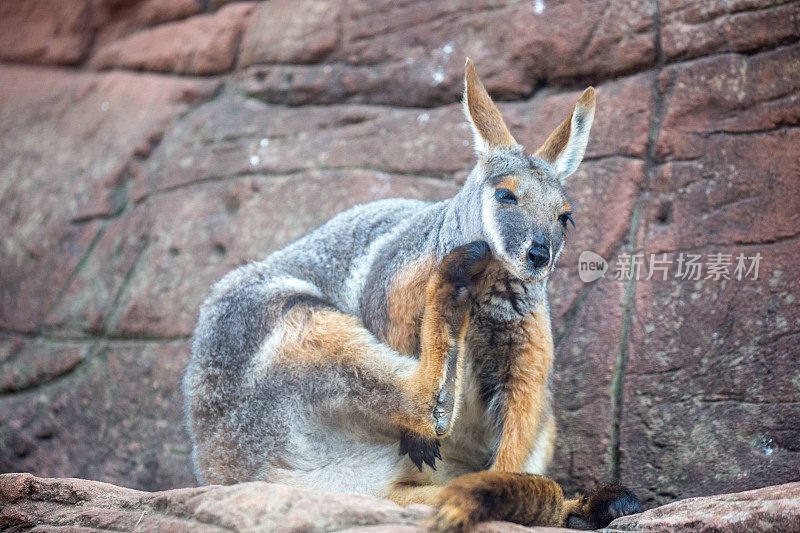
(490, 225)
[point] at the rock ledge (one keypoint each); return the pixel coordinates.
(66, 503)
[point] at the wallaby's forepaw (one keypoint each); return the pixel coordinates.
(464, 265)
(419, 449)
(603, 505)
(448, 295)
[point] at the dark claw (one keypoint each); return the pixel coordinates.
(429, 460)
(419, 449)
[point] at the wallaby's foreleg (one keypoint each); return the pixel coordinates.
(435, 384)
(444, 325)
(526, 499)
(525, 393)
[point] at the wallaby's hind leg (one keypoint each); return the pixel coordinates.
(526, 499)
(319, 354)
(403, 493)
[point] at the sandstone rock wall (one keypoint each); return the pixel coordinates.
(148, 147)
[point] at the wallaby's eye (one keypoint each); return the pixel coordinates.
(505, 196)
(566, 217)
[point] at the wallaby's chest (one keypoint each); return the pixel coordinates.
(472, 444)
(501, 305)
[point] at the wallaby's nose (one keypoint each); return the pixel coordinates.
(539, 253)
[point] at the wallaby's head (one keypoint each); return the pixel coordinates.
(524, 211)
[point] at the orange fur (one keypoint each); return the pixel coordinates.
(577, 507)
(311, 336)
(407, 493)
(526, 397)
(323, 336)
(484, 114)
(406, 303)
(511, 183)
(490, 495)
(436, 339)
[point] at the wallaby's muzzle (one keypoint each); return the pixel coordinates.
(539, 252)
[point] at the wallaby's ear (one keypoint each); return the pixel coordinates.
(565, 146)
(488, 127)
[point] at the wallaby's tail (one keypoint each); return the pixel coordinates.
(526, 499)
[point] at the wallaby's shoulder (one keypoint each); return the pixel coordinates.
(370, 220)
(331, 256)
(361, 224)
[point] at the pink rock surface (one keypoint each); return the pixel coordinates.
(116, 414)
(412, 53)
(72, 137)
(774, 508)
(54, 32)
(694, 28)
(65, 504)
(205, 44)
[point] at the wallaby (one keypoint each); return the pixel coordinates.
(405, 327)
